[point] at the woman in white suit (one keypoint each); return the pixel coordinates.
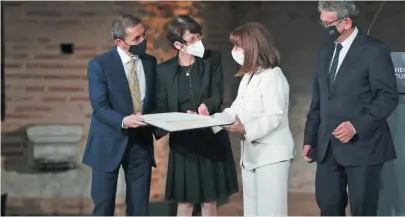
(261, 113)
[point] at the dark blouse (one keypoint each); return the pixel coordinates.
(187, 91)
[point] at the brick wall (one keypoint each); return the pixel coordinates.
(45, 86)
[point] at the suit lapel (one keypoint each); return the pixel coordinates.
(120, 78)
(203, 69)
(326, 60)
(173, 98)
(350, 59)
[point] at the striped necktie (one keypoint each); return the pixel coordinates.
(333, 67)
(134, 87)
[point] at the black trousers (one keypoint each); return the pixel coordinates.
(137, 166)
(333, 181)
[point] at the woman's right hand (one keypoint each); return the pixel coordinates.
(203, 110)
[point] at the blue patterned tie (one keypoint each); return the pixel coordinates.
(333, 67)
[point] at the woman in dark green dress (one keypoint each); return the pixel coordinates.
(201, 167)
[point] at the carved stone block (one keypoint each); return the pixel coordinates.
(53, 145)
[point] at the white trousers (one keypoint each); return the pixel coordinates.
(265, 190)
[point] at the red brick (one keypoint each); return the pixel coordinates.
(44, 40)
(33, 108)
(65, 77)
(51, 47)
(72, 66)
(20, 47)
(12, 65)
(16, 56)
(85, 48)
(44, 66)
(54, 99)
(79, 99)
(51, 57)
(23, 76)
(20, 99)
(35, 88)
(17, 39)
(22, 116)
(85, 56)
(65, 89)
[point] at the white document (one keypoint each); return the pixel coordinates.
(223, 117)
(177, 121)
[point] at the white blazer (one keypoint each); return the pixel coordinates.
(262, 106)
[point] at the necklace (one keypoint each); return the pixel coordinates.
(187, 70)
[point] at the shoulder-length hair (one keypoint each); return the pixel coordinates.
(257, 42)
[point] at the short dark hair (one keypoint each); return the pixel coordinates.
(121, 24)
(176, 28)
(257, 43)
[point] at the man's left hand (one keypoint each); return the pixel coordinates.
(344, 132)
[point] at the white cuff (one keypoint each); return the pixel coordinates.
(122, 124)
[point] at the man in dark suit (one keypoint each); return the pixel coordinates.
(121, 88)
(346, 131)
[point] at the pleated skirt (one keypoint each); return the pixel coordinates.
(198, 178)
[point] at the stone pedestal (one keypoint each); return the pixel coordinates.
(54, 146)
(45, 188)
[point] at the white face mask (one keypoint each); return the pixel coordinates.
(195, 49)
(238, 56)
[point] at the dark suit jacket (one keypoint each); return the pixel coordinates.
(111, 101)
(208, 90)
(364, 93)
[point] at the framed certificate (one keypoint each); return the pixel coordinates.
(176, 121)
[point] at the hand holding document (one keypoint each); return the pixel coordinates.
(176, 121)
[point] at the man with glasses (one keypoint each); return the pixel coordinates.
(121, 88)
(346, 131)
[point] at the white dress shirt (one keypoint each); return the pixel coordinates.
(140, 73)
(345, 48)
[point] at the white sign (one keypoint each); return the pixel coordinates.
(398, 58)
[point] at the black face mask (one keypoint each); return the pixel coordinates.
(331, 33)
(138, 49)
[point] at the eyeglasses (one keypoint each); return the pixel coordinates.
(194, 39)
(327, 24)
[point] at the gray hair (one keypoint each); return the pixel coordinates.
(121, 24)
(344, 9)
